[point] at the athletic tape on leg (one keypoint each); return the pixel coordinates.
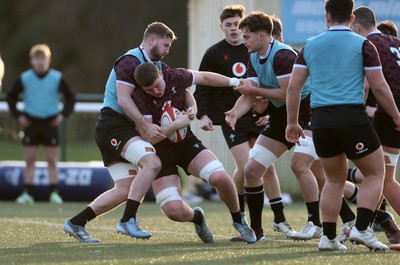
(122, 171)
(137, 150)
(210, 168)
(306, 147)
(262, 155)
(167, 195)
(390, 159)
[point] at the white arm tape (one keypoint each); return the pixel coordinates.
(234, 82)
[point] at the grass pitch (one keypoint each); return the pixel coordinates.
(34, 235)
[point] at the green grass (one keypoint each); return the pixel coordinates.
(75, 151)
(33, 235)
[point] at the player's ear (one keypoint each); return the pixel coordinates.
(261, 35)
(352, 18)
(152, 40)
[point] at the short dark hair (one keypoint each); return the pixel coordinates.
(257, 21)
(365, 17)
(388, 27)
(146, 73)
(340, 10)
(277, 30)
(232, 11)
(160, 30)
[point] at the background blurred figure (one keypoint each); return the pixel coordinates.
(40, 119)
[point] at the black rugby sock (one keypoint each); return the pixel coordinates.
(83, 217)
(131, 208)
(255, 203)
(277, 207)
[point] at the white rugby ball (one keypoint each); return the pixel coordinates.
(168, 116)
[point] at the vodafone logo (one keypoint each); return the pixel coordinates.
(360, 146)
(239, 69)
(115, 143)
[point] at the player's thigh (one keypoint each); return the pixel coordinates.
(372, 164)
(335, 168)
(200, 161)
(162, 183)
(240, 154)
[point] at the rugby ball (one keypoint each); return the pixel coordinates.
(168, 115)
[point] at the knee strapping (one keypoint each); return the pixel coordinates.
(167, 195)
(122, 171)
(306, 147)
(262, 155)
(390, 159)
(137, 150)
(210, 168)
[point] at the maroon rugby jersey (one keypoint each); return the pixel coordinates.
(282, 64)
(176, 82)
(125, 69)
(389, 52)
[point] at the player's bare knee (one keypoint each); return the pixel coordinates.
(297, 168)
(220, 179)
(155, 166)
(170, 202)
(151, 163)
(173, 210)
(250, 173)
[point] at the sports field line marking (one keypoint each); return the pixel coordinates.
(18, 221)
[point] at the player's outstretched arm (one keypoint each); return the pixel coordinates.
(214, 79)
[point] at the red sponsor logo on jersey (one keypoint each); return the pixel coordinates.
(239, 69)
